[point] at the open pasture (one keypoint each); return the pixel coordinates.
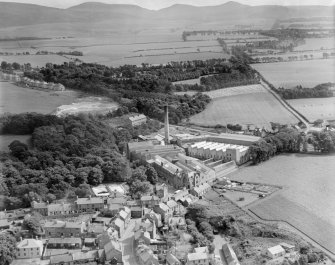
(307, 200)
(306, 73)
(15, 99)
(316, 44)
(244, 105)
(315, 108)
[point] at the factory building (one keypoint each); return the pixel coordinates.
(219, 151)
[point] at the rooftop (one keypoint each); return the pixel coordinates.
(197, 256)
(90, 200)
(66, 240)
(276, 249)
(30, 243)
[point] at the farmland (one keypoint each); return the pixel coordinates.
(290, 74)
(308, 195)
(16, 99)
(35, 60)
(243, 105)
(315, 108)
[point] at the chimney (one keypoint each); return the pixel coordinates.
(89, 197)
(166, 121)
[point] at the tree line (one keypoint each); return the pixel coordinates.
(319, 91)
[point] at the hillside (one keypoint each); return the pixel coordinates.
(16, 14)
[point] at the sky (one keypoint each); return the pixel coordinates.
(158, 4)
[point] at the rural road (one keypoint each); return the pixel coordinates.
(287, 106)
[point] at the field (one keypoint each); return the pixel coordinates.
(35, 60)
(136, 48)
(16, 99)
(244, 105)
(317, 44)
(315, 108)
(308, 198)
(306, 73)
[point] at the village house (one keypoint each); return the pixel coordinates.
(229, 254)
(67, 242)
(154, 217)
(77, 258)
(90, 204)
(29, 249)
(53, 209)
(162, 191)
(197, 258)
(125, 216)
(180, 194)
(177, 222)
(118, 225)
(173, 205)
(149, 201)
(142, 238)
(95, 229)
(146, 256)
(200, 190)
(58, 228)
(113, 252)
(136, 212)
(171, 259)
(147, 226)
(164, 211)
(275, 252)
(89, 242)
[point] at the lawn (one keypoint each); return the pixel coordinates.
(244, 105)
(15, 99)
(306, 73)
(315, 108)
(309, 192)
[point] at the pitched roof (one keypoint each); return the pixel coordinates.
(171, 203)
(171, 259)
(90, 200)
(164, 207)
(123, 214)
(30, 243)
(201, 250)
(66, 240)
(197, 256)
(118, 222)
(149, 198)
(276, 249)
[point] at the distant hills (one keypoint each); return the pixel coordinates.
(17, 14)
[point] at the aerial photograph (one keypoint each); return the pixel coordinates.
(177, 132)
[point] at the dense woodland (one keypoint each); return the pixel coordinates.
(319, 91)
(67, 156)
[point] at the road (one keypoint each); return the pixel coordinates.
(129, 257)
(288, 107)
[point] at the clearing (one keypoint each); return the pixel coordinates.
(310, 191)
(315, 108)
(15, 99)
(244, 105)
(306, 73)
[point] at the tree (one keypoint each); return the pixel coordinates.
(152, 175)
(139, 174)
(139, 188)
(32, 223)
(16, 66)
(7, 248)
(18, 149)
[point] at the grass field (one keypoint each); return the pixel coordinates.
(243, 105)
(16, 99)
(35, 60)
(306, 73)
(315, 108)
(317, 44)
(310, 191)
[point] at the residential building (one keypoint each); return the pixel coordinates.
(146, 256)
(171, 259)
(4, 224)
(147, 226)
(275, 252)
(173, 205)
(58, 228)
(67, 242)
(113, 252)
(136, 212)
(95, 229)
(77, 258)
(90, 204)
(177, 222)
(118, 225)
(154, 217)
(53, 209)
(142, 238)
(161, 191)
(164, 211)
(229, 255)
(197, 259)
(125, 217)
(200, 190)
(149, 201)
(29, 249)
(287, 247)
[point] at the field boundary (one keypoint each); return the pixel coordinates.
(286, 222)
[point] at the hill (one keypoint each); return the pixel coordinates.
(17, 14)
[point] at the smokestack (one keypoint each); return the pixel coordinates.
(166, 121)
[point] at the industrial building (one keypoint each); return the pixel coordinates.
(219, 151)
(137, 120)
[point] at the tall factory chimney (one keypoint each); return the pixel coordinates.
(166, 121)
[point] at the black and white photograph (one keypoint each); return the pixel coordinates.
(167, 132)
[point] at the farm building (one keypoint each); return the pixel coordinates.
(275, 252)
(229, 255)
(137, 120)
(219, 151)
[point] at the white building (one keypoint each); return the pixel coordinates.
(275, 252)
(198, 258)
(137, 120)
(29, 249)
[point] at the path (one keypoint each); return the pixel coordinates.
(287, 106)
(129, 257)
